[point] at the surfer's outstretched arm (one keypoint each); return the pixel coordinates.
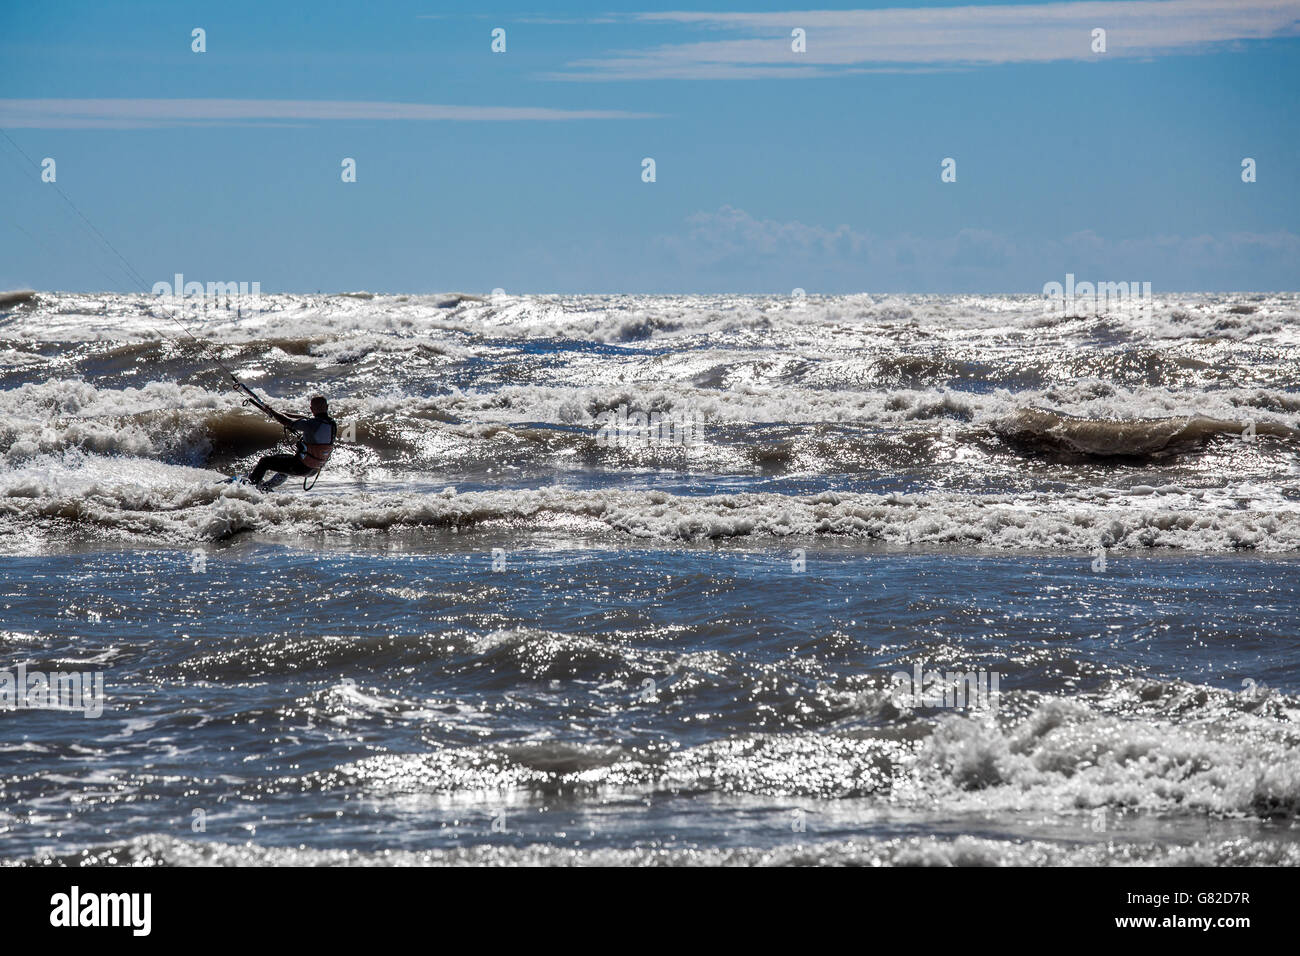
(284, 420)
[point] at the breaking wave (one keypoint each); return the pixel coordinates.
(1138, 518)
(1146, 746)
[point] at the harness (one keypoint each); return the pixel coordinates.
(313, 476)
(316, 455)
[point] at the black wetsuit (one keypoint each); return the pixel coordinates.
(285, 464)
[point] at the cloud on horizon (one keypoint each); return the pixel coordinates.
(911, 39)
(730, 244)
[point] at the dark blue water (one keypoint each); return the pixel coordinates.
(400, 694)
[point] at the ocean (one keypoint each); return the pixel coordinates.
(662, 580)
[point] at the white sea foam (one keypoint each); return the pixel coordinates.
(162, 419)
(168, 504)
(1203, 753)
(620, 318)
(167, 850)
(830, 391)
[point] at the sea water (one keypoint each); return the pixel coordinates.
(635, 579)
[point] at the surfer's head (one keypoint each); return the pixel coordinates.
(319, 406)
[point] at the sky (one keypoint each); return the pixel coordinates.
(774, 168)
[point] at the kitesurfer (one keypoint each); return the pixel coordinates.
(315, 444)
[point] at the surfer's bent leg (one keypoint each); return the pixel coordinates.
(285, 464)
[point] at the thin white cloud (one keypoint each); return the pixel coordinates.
(900, 38)
(144, 113)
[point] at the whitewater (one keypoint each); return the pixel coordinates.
(489, 634)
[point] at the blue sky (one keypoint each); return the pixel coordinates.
(775, 169)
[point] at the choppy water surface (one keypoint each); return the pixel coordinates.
(490, 635)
